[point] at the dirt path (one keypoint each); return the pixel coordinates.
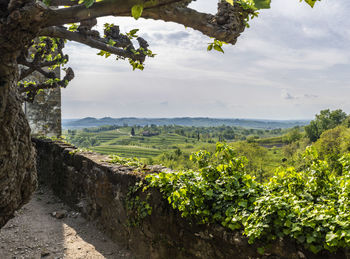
(38, 231)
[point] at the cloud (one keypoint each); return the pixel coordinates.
(165, 103)
(292, 62)
(310, 95)
(287, 96)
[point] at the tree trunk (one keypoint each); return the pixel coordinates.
(17, 155)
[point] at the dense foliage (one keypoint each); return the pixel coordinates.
(324, 121)
(309, 206)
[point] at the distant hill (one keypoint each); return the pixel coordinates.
(185, 121)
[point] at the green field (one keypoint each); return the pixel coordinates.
(128, 151)
(173, 145)
(120, 142)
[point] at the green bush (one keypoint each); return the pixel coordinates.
(310, 206)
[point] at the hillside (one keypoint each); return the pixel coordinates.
(184, 121)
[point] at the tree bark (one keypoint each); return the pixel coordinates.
(17, 155)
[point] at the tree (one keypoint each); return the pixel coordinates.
(132, 132)
(47, 21)
(292, 136)
(324, 121)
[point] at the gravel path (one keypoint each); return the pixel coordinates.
(47, 228)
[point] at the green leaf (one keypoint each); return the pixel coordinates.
(136, 11)
(261, 250)
(315, 249)
(262, 4)
(230, 1)
(218, 48)
(330, 237)
(134, 31)
(88, 3)
(311, 2)
(243, 203)
(310, 239)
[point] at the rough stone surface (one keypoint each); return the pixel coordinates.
(99, 190)
(17, 162)
(44, 114)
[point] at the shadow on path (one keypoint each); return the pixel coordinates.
(35, 233)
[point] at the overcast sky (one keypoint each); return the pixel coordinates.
(291, 63)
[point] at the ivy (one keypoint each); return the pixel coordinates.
(309, 206)
(137, 209)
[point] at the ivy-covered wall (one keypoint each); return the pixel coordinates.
(143, 222)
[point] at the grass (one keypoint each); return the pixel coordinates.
(128, 151)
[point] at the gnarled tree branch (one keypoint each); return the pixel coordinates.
(30, 90)
(226, 25)
(77, 13)
(97, 42)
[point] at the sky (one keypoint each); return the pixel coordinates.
(291, 63)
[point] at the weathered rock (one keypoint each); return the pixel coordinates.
(59, 214)
(17, 162)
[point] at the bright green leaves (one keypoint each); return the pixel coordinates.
(136, 64)
(73, 27)
(132, 34)
(108, 26)
(309, 206)
(311, 2)
(262, 4)
(252, 4)
(103, 53)
(136, 11)
(114, 159)
(216, 45)
(135, 57)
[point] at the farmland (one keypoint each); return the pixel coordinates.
(173, 145)
(120, 141)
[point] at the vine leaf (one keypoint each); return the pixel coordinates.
(136, 11)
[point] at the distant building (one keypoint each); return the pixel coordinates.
(147, 133)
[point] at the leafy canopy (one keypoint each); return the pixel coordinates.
(324, 121)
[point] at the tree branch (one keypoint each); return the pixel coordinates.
(29, 91)
(56, 17)
(63, 2)
(226, 25)
(97, 43)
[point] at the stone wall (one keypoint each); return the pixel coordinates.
(101, 191)
(44, 114)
